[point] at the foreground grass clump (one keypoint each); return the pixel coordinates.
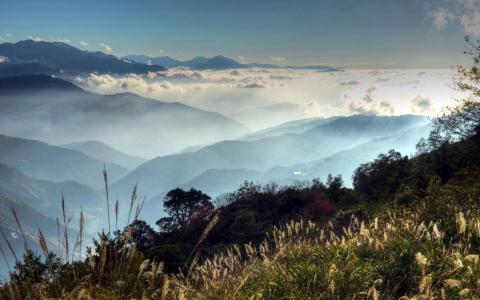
(427, 250)
(392, 256)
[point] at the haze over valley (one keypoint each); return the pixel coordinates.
(208, 128)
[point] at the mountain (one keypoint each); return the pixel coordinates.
(166, 172)
(44, 161)
(44, 196)
(104, 152)
(167, 61)
(22, 68)
(296, 126)
(216, 182)
(267, 116)
(30, 220)
(35, 83)
(218, 62)
(27, 57)
(345, 162)
(58, 112)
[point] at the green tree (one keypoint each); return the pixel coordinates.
(184, 209)
(461, 121)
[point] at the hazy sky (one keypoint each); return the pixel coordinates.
(351, 33)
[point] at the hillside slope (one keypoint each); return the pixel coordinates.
(58, 112)
(57, 57)
(44, 161)
(163, 173)
(104, 152)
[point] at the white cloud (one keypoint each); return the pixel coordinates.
(132, 83)
(252, 83)
(35, 38)
(183, 73)
(8, 34)
(2, 40)
(278, 58)
(106, 47)
(3, 59)
(441, 17)
(241, 59)
(83, 44)
(160, 51)
(319, 94)
(370, 106)
(471, 23)
(62, 40)
(421, 105)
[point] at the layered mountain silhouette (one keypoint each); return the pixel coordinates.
(31, 221)
(44, 196)
(48, 162)
(218, 62)
(40, 57)
(200, 168)
(57, 111)
(103, 152)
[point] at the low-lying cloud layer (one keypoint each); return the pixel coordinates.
(230, 92)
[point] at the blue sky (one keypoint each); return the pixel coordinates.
(352, 33)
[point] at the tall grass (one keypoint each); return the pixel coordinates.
(429, 250)
(398, 256)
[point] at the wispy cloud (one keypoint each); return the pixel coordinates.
(421, 105)
(441, 17)
(471, 23)
(84, 44)
(62, 40)
(35, 38)
(466, 13)
(106, 47)
(368, 104)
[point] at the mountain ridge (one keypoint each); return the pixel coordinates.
(71, 114)
(58, 57)
(218, 62)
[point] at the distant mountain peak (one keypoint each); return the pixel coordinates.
(60, 56)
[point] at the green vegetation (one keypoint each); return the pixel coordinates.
(409, 229)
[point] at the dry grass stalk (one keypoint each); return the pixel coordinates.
(5, 258)
(58, 235)
(204, 235)
(9, 245)
(116, 214)
(65, 230)
(43, 243)
(79, 238)
(20, 227)
(133, 198)
(139, 208)
(105, 180)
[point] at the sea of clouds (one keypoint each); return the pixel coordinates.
(259, 97)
